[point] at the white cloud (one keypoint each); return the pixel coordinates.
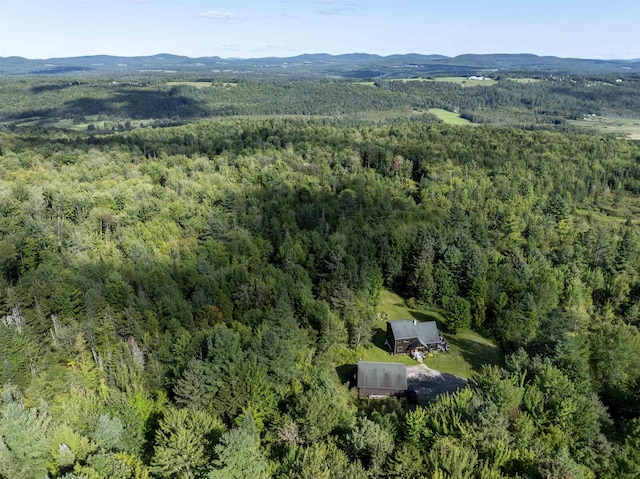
(227, 17)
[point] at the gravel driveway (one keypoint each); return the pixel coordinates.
(430, 383)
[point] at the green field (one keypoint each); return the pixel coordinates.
(30, 122)
(525, 80)
(69, 124)
(449, 117)
(622, 127)
(199, 84)
(469, 351)
(195, 84)
(463, 81)
(466, 82)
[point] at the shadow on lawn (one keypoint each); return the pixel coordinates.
(422, 316)
(378, 338)
(474, 353)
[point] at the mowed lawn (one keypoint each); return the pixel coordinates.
(468, 352)
(449, 117)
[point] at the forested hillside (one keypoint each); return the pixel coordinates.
(319, 65)
(122, 103)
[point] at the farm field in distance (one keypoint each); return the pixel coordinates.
(449, 117)
(621, 127)
(195, 84)
(466, 81)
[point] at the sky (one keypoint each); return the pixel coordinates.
(262, 28)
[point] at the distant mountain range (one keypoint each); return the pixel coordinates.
(353, 65)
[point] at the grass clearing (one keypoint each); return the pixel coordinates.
(195, 84)
(448, 117)
(200, 84)
(63, 123)
(525, 80)
(628, 128)
(469, 351)
(466, 81)
(405, 80)
(28, 123)
(462, 81)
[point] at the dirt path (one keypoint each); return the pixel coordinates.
(430, 383)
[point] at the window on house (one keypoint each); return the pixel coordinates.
(400, 349)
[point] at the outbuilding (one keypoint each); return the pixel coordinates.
(381, 379)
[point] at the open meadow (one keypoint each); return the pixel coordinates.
(449, 117)
(620, 127)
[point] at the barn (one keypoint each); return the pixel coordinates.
(381, 379)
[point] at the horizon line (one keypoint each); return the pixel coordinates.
(317, 53)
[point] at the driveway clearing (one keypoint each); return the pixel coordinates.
(429, 383)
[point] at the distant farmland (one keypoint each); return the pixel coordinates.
(449, 117)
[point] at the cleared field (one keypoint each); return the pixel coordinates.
(465, 81)
(449, 117)
(469, 351)
(196, 84)
(199, 84)
(525, 80)
(64, 123)
(622, 127)
(28, 123)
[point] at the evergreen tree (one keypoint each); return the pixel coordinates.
(239, 455)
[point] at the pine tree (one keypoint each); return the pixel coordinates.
(197, 387)
(239, 454)
(184, 443)
(24, 439)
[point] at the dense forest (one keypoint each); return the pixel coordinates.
(175, 301)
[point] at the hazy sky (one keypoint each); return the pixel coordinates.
(259, 28)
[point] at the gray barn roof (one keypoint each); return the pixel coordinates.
(382, 375)
(426, 332)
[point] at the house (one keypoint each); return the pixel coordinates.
(409, 336)
(381, 379)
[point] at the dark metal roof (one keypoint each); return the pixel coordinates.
(426, 331)
(382, 375)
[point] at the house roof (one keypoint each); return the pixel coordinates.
(426, 331)
(382, 375)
